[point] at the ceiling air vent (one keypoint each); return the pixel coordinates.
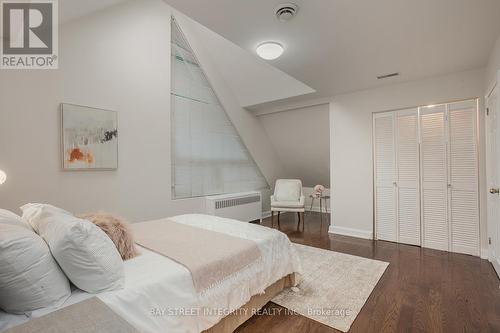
(286, 11)
(386, 76)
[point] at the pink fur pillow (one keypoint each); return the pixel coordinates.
(117, 230)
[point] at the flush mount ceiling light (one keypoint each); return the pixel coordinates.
(270, 50)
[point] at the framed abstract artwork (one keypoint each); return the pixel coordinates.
(89, 138)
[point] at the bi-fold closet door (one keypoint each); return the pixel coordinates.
(434, 177)
(426, 177)
(397, 211)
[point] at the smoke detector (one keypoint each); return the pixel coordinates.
(286, 11)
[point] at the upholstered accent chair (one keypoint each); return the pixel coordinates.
(288, 197)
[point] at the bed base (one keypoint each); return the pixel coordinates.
(230, 323)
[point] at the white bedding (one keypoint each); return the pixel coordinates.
(159, 295)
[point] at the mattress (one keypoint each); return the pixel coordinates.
(159, 295)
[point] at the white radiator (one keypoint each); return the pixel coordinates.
(244, 207)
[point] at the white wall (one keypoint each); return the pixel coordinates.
(351, 142)
(300, 138)
(242, 69)
(117, 59)
(493, 66)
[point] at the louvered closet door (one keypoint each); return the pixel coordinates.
(385, 195)
(463, 178)
(433, 161)
(407, 162)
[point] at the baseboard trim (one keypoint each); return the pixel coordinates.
(350, 232)
(316, 209)
(496, 266)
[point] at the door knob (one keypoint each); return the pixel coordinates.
(494, 190)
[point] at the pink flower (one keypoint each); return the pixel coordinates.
(318, 190)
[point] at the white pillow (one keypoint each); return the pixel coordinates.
(85, 253)
(30, 278)
(7, 214)
(8, 217)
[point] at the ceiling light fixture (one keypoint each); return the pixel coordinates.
(270, 50)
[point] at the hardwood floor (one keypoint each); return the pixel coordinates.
(422, 290)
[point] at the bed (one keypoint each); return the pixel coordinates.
(159, 295)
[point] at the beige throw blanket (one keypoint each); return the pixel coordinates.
(89, 316)
(210, 256)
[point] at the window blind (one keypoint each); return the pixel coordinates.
(208, 156)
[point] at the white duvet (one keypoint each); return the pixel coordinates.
(159, 295)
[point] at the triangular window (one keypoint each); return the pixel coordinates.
(208, 155)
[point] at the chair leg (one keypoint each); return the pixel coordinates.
(312, 203)
(279, 225)
(298, 224)
(272, 219)
(303, 220)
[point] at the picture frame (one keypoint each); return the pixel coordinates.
(89, 138)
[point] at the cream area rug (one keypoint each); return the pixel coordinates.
(333, 288)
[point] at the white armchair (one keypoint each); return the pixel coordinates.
(288, 197)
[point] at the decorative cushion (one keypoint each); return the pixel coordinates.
(8, 217)
(30, 278)
(85, 253)
(287, 190)
(287, 204)
(117, 230)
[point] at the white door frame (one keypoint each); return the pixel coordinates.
(493, 166)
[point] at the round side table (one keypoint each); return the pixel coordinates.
(323, 197)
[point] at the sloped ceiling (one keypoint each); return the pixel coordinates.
(338, 46)
(72, 9)
(301, 140)
(252, 80)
